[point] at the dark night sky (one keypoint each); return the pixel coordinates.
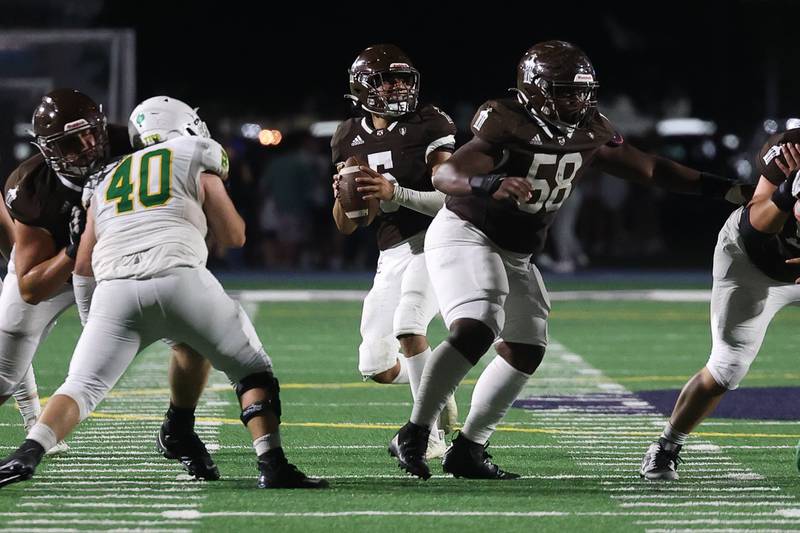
(251, 56)
(267, 59)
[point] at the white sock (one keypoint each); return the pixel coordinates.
(496, 389)
(268, 442)
(416, 365)
(83, 287)
(42, 434)
(402, 376)
(674, 436)
(444, 370)
(27, 397)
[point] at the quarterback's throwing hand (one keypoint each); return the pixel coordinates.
(375, 186)
(791, 154)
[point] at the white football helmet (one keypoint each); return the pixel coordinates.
(161, 118)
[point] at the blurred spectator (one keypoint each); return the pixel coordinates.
(243, 189)
(287, 186)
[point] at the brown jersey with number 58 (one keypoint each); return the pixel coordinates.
(551, 160)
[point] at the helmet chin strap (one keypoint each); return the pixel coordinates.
(559, 125)
(523, 99)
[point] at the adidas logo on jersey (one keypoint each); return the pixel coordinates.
(536, 139)
(358, 140)
(771, 154)
(11, 195)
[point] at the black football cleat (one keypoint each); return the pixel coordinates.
(470, 460)
(20, 465)
(409, 446)
(276, 472)
(190, 451)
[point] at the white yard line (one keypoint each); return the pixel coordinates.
(658, 295)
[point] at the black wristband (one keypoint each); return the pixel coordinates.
(783, 198)
(71, 250)
(714, 186)
(486, 184)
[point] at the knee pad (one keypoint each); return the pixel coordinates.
(87, 393)
(376, 355)
(471, 337)
(728, 372)
(272, 403)
(523, 357)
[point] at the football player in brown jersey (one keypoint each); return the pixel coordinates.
(503, 190)
(43, 195)
(27, 393)
(756, 274)
(402, 143)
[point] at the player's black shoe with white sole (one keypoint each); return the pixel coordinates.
(409, 446)
(470, 460)
(276, 472)
(190, 451)
(20, 465)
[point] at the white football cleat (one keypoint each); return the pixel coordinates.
(436, 445)
(448, 418)
(60, 447)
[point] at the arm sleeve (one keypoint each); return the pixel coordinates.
(83, 286)
(426, 202)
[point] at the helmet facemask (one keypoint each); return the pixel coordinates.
(77, 152)
(391, 93)
(565, 105)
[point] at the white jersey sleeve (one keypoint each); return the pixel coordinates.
(148, 209)
(214, 158)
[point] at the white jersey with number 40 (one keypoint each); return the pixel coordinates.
(148, 209)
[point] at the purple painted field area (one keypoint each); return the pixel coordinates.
(767, 403)
(763, 403)
(600, 403)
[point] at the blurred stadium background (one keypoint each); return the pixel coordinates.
(703, 85)
(701, 82)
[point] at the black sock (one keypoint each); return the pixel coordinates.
(31, 448)
(179, 419)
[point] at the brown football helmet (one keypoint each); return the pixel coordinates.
(70, 130)
(384, 82)
(556, 83)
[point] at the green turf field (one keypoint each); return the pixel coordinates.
(580, 467)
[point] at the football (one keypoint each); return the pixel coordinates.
(360, 211)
